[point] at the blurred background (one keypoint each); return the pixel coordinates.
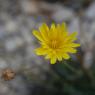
(24, 73)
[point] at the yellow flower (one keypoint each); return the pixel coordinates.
(56, 42)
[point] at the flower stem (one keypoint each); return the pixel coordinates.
(72, 69)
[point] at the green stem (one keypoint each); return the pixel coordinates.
(71, 68)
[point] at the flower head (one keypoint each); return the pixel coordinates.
(56, 42)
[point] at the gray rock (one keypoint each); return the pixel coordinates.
(3, 63)
(63, 14)
(90, 12)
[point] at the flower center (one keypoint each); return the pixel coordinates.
(54, 44)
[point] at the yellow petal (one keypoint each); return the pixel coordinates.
(66, 56)
(44, 31)
(58, 31)
(71, 50)
(63, 27)
(46, 28)
(73, 36)
(37, 35)
(72, 45)
(60, 58)
(52, 31)
(40, 51)
(47, 57)
(53, 60)
(65, 34)
(53, 26)
(70, 38)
